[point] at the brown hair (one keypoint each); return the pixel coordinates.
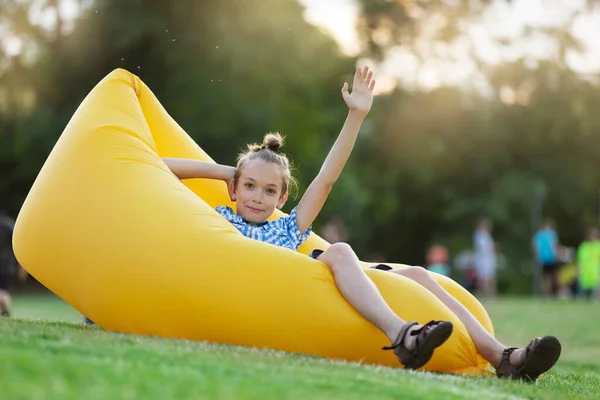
(268, 151)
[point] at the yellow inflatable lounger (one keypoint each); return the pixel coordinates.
(109, 229)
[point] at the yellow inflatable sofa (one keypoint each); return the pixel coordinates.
(108, 228)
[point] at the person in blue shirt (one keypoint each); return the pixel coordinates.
(259, 184)
(545, 247)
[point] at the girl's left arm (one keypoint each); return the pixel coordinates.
(359, 103)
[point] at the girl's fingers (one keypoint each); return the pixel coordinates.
(345, 87)
(363, 78)
(372, 86)
(368, 80)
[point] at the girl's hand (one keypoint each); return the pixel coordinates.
(361, 98)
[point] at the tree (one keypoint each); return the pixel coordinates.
(228, 72)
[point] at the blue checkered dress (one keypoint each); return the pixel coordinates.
(282, 232)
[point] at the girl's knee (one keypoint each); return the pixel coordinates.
(339, 255)
(340, 251)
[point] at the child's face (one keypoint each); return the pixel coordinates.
(258, 191)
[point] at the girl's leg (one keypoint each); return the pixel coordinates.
(489, 348)
(356, 287)
(362, 294)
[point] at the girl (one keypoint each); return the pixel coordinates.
(259, 184)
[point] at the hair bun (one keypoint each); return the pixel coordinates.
(272, 141)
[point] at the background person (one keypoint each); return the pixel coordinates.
(10, 270)
(485, 258)
(545, 247)
(588, 263)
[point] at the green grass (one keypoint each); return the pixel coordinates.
(49, 358)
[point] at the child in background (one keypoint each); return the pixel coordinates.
(437, 260)
(588, 262)
(486, 262)
(567, 275)
(545, 247)
(334, 230)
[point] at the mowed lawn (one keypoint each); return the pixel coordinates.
(47, 353)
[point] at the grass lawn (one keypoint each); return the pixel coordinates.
(47, 353)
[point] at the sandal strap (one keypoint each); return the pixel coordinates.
(508, 351)
(426, 341)
(400, 339)
(415, 332)
(506, 369)
(506, 354)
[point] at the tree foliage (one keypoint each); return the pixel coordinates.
(427, 163)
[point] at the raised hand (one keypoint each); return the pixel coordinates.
(361, 98)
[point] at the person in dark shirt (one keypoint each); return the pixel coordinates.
(9, 267)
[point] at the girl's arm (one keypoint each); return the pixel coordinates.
(359, 103)
(185, 168)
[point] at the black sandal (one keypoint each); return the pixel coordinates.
(539, 356)
(428, 337)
